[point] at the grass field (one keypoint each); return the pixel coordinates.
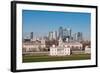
(45, 58)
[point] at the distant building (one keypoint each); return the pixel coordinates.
(50, 35)
(26, 36)
(79, 36)
(87, 50)
(59, 51)
(64, 48)
(65, 34)
(31, 35)
(61, 32)
(34, 46)
(55, 35)
(60, 42)
(34, 39)
(75, 37)
(69, 32)
(43, 41)
(70, 44)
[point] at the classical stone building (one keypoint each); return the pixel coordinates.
(70, 44)
(59, 51)
(33, 46)
(87, 50)
(64, 48)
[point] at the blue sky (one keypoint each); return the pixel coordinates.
(41, 22)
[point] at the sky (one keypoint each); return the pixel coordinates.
(42, 22)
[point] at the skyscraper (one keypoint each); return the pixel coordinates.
(79, 36)
(75, 37)
(50, 35)
(61, 32)
(55, 35)
(69, 32)
(64, 34)
(31, 35)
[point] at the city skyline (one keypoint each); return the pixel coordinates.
(51, 21)
(64, 34)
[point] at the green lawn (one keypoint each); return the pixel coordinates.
(45, 58)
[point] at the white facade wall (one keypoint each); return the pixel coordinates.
(67, 51)
(87, 50)
(31, 47)
(60, 52)
(74, 45)
(53, 51)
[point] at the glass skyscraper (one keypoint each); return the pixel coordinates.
(61, 32)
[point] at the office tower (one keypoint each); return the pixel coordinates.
(75, 37)
(61, 32)
(50, 35)
(69, 33)
(31, 35)
(79, 36)
(64, 34)
(55, 35)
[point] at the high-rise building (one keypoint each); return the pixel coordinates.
(50, 35)
(74, 35)
(61, 32)
(55, 35)
(69, 36)
(31, 35)
(79, 36)
(64, 32)
(69, 32)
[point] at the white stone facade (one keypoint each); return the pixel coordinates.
(33, 46)
(87, 50)
(59, 51)
(70, 44)
(64, 48)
